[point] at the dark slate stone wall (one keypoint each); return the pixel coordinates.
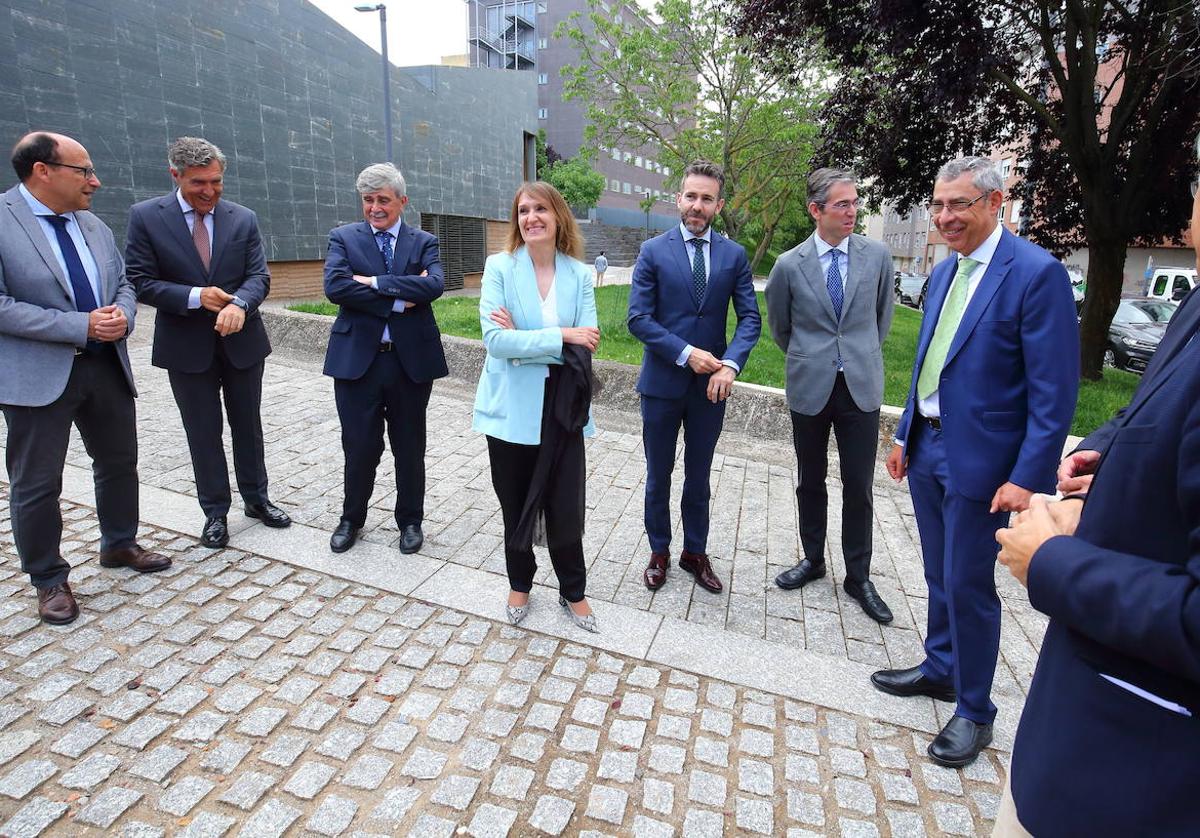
(292, 98)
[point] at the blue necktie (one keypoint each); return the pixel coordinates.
(85, 298)
(699, 279)
(384, 239)
(833, 281)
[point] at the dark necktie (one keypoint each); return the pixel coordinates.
(200, 238)
(833, 281)
(699, 278)
(384, 239)
(85, 298)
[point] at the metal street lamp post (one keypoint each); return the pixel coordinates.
(387, 92)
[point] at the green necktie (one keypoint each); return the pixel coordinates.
(943, 333)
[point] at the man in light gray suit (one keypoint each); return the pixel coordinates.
(829, 305)
(65, 310)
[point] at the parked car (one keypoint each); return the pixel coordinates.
(1136, 330)
(1171, 283)
(910, 289)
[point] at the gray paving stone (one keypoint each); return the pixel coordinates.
(479, 754)
(580, 739)
(658, 796)
(224, 757)
(207, 825)
(183, 795)
(283, 751)
(855, 795)
(200, 727)
(367, 772)
(420, 705)
(296, 689)
(236, 697)
(431, 826)
(712, 751)
(805, 807)
(552, 814)
(247, 789)
(906, 823)
(706, 787)
(565, 774)
(27, 776)
(309, 779)
(667, 759)
(107, 806)
(755, 816)
(491, 821)
(941, 779)
(638, 705)
(341, 743)
(528, 747)
(847, 762)
(716, 721)
(757, 743)
(36, 816)
(270, 821)
(607, 804)
(395, 737)
(618, 765)
(260, 721)
(546, 716)
(156, 765)
(424, 764)
(142, 732)
(698, 823)
(333, 816)
(455, 791)
(314, 716)
(63, 710)
(853, 828)
(395, 804)
(801, 769)
(889, 756)
(953, 818)
(512, 781)
(756, 777)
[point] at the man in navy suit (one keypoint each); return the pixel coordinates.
(992, 396)
(1115, 698)
(683, 283)
(199, 260)
(384, 351)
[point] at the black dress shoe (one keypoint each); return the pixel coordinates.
(215, 532)
(910, 682)
(270, 514)
(870, 600)
(411, 538)
(343, 537)
(800, 575)
(960, 742)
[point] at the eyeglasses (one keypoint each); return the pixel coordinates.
(956, 207)
(842, 206)
(87, 171)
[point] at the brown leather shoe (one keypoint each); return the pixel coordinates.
(56, 605)
(135, 558)
(699, 566)
(656, 572)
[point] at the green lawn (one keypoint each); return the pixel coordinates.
(1098, 400)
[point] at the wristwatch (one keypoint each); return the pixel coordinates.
(240, 303)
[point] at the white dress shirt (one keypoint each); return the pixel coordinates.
(73, 230)
(398, 306)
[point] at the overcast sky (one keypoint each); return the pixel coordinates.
(419, 31)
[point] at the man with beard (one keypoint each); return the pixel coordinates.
(683, 283)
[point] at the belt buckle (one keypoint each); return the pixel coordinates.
(385, 346)
(78, 351)
(935, 422)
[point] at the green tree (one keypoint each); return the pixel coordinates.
(1100, 98)
(650, 87)
(545, 154)
(578, 182)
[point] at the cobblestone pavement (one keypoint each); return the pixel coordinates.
(237, 695)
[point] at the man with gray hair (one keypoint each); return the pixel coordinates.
(829, 307)
(384, 351)
(991, 400)
(199, 260)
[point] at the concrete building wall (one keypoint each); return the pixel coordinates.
(292, 98)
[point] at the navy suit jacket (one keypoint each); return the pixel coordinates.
(364, 311)
(664, 316)
(1008, 388)
(162, 262)
(1123, 595)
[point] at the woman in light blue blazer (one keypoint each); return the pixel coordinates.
(537, 302)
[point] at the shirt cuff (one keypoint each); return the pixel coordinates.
(731, 363)
(682, 360)
(399, 306)
(375, 282)
(194, 297)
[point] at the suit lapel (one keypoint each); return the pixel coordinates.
(404, 247)
(96, 243)
(566, 290)
(529, 303)
(222, 230)
(855, 270)
(810, 267)
(993, 276)
(365, 235)
(683, 268)
(33, 228)
(172, 217)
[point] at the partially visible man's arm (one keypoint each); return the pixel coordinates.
(778, 295)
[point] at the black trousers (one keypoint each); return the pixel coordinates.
(384, 395)
(512, 472)
(857, 434)
(199, 396)
(98, 402)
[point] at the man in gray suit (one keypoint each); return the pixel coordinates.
(829, 304)
(65, 310)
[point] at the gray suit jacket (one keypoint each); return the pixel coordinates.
(39, 326)
(801, 319)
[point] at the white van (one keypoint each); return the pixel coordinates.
(1171, 283)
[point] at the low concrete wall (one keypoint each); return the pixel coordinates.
(754, 410)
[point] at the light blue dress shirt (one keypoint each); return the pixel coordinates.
(73, 230)
(691, 256)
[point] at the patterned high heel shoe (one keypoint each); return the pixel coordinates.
(516, 613)
(587, 623)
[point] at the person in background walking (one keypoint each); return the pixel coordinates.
(601, 267)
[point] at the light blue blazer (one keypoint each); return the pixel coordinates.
(508, 401)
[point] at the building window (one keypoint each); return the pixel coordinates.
(614, 185)
(628, 156)
(666, 171)
(541, 7)
(1000, 213)
(625, 187)
(543, 78)
(541, 43)
(1005, 167)
(1015, 213)
(541, 113)
(637, 161)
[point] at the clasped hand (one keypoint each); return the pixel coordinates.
(107, 323)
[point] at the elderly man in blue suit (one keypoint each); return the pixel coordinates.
(683, 284)
(1115, 698)
(384, 352)
(66, 308)
(992, 396)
